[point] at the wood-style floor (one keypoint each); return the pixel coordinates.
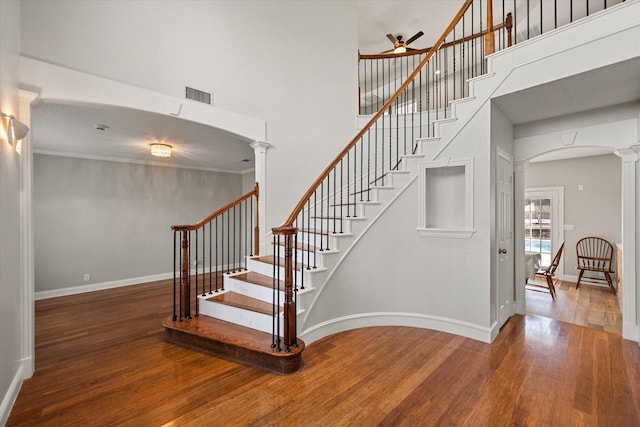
(591, 306)
(101, 360)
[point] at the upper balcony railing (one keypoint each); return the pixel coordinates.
(403, 95)
(487, 27)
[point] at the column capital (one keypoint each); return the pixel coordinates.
(629, 155)
(260, 146)
(520, 165)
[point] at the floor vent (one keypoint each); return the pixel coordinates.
(198, 95)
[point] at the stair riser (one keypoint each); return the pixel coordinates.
(246, 318)
(463, 107)
(250, 290)
(267, 270)
(302, 256)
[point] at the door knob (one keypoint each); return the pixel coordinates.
(502, 251)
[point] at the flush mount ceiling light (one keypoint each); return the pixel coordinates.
(161, 150)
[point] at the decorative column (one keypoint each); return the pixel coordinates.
(630, 294)
(518, 220)
(260, 151)
(27, 99)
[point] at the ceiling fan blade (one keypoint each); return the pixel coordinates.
(393, 38)
(415, 37)
(387, 51)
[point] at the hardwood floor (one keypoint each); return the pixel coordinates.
(590, 306)
(101, 360)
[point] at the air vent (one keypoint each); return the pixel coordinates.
(198, 95)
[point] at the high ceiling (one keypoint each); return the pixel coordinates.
(378, 18)
(64, 129)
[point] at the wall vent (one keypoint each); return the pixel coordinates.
(198, 95)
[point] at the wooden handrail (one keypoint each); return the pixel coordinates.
(185, 252)
(298, 208)
(427, 49)
(254, 192)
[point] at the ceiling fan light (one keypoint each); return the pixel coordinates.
(400, 49)
(161, 150)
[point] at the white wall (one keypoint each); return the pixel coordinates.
(394, 275)
(10, 262)
(593, 211)
(112, 220)
(292, 64)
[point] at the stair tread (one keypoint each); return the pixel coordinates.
(244, 302)
(256, 279)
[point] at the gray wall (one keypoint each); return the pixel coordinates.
(10, 275)
(593, 211)
(112, 220)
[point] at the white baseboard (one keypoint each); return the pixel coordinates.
(631, 331)
(100, 286)
(357, 321)
(10, 396)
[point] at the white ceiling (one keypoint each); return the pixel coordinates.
(70, 129)
(378, 18)
(615, 84)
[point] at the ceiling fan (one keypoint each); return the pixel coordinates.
(399, 45)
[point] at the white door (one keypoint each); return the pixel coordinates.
(504, 237)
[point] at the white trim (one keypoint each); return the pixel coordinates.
(10, 397)
(518, 218)
(260, 176)
(101, 286)
(462, 233)
(27, 268)
(553, 191)
(631, 293)
(415, 320)
(465, 232)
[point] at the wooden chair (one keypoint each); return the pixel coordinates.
(548, 272)
(595, 254)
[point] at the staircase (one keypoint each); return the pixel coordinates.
(264, 301)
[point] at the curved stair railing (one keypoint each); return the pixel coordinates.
(219, 244)
(408, 104)
(362, 165)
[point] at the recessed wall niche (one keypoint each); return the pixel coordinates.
(446, 198)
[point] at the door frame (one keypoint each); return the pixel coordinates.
(556, 192)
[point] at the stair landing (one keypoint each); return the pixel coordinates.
(233, 342)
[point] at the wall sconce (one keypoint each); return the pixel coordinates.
(14, 128)
(161, 150)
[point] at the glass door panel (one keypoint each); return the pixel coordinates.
(537, 228)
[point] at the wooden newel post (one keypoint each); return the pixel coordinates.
(489, 40)
(185, 285)
(289, 309)
(509, 24)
